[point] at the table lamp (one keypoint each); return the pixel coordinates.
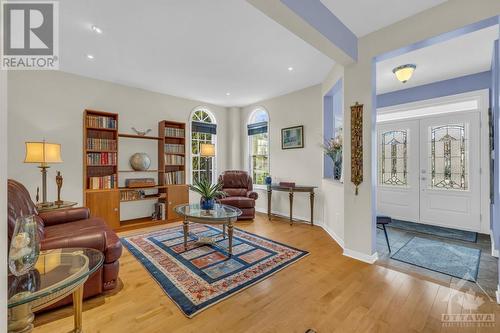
(43, 153)
(207, 150)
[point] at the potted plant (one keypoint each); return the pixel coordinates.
(333, 149)
(209, 192)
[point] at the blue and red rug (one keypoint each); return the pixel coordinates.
(203, 275)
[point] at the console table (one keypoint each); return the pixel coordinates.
(291, 191)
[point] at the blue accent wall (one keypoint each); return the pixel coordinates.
(495, 106)
(437, 89)
(332, 109)
(324, 21)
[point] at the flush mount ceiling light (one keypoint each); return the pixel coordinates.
(96, 29)
(290, 69)
(227, 94)
(404, 72)
(90, 56)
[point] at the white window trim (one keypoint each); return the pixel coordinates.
(214, 119)
(249, 145)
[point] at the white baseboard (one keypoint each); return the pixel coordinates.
(370, 259)
(335, 237)
(498, 294)
(494, 250)
(298, 219)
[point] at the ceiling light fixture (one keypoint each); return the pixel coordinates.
(90, 56)
(96, 29)
(404, 72)
(290, 69)
(227, 94)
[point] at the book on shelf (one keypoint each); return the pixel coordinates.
(174, 132)
(174, 160)
(101, 159)
(174, 178)
(101, 144)
(101, 122)
(174, 148)
(102, 183)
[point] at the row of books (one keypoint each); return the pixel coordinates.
(175, 132)
(174, 160)
(175, 177)
(131, 195)
(101, 122)
(101, 158)
(174, 148)
(102, 183)
(101, 144)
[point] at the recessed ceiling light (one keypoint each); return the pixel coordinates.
(227, 94)
(90, 56)
(290, 69)
(96, 29)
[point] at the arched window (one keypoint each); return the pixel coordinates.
(258, 145)
(203, 131)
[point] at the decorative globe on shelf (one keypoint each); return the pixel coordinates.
(140, 161)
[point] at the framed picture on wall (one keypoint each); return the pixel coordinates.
(292, 137)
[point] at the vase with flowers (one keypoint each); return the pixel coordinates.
(333, 149)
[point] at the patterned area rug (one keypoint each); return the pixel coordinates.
(454, 260)
(203, 275)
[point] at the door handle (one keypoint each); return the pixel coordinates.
(423, 178)
(115, 209)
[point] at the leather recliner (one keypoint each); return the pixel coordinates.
(70, 228)
(239, 189)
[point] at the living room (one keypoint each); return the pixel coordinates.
(216, 163)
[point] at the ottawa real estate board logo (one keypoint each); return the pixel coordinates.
(30, 35)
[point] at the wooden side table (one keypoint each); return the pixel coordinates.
(291, 191)
(54, 206)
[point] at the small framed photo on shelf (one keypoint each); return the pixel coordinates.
(292, 137)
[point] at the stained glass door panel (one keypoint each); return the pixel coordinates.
(394, 158)
(448, 157)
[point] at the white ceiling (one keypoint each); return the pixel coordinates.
(195, 49)
(464, 55)
(365, 16)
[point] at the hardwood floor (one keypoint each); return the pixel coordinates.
(325, 291)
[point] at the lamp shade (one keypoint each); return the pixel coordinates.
(207, 150)
(43, 152)
(404, 73)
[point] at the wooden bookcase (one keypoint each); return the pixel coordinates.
(100, 165)
(172, 164)
(105, 200)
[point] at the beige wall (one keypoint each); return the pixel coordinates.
(359, 231)
(303, 166)
(333, 191)
(49, 104)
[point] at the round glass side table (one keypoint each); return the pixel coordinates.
(57, 274)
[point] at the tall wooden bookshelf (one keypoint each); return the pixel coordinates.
(101, 171)
(172, 164)
(100, 164)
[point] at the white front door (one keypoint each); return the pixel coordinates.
(450, 188)
(429, 170)
(398, 170)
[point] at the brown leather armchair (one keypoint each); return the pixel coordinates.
(66, 229)
(239, 189)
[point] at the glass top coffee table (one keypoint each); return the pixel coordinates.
(57, 274)
(221, 214)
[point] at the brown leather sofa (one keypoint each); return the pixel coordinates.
(239, 189)
(67, 229)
